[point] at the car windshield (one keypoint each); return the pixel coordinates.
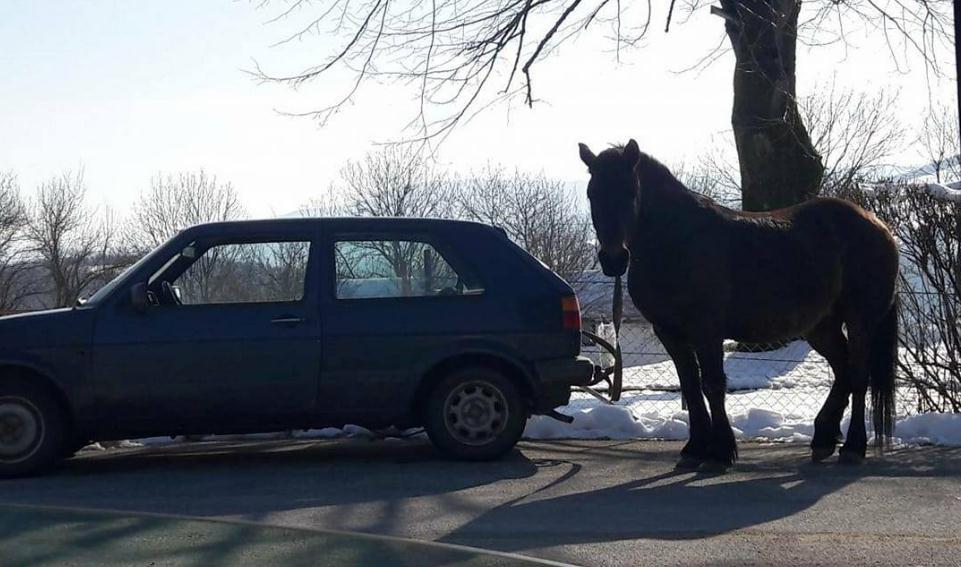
(112, 284)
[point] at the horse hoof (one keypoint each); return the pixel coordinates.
(819, 454)
(850, 458)
(714, 467)
(688, 463)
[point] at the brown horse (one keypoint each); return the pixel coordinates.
(702, 273)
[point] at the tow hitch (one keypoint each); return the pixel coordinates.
(559, 416)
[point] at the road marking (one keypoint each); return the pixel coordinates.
(318, 531)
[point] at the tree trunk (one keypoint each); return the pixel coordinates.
(779, 165)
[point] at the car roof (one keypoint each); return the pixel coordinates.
(353, 224)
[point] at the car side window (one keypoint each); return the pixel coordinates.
(257, 272)
(369, 269)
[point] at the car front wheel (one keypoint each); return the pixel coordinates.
(31, 430)
(475, 414)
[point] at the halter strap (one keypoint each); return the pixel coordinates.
(617, 309)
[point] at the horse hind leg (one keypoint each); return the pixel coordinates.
(827, 339)
(859, 345)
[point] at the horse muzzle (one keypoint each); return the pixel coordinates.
(615, 264)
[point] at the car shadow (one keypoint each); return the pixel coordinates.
(255, 479)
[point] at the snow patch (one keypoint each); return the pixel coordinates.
(608, 422)
(930, 428)
(619, 422)
(325, 433)
(943, 192)
(949, 192)
(357, 431)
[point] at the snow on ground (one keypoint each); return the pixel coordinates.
(603, 421)
(775, 397)
(931, 428)
(596, 420)
(945, 192)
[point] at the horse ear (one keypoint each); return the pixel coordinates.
(587, 156)
(632, 153)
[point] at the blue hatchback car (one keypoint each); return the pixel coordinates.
(285, 324)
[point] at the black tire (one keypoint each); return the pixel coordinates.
(475, 414)
(32, 429)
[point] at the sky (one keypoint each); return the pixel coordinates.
(127, 90)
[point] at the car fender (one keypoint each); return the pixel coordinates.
(35, 364)
(477, 346)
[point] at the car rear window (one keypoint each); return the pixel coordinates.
(371, 269)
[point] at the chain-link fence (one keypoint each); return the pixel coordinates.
(790, 377)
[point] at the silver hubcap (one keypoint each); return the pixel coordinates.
(20, 428)
(475, 413)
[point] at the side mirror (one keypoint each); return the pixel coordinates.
(138, 296)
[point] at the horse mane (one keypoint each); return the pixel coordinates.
(654, 174)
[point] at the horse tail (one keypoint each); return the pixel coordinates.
(884, 355)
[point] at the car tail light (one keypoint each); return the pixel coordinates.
(571, 312)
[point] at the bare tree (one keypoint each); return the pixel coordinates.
(71, 241)
(177, 201)
(395, 182)
(939, 142)
(540, 214)
(463, 57)
(329, 204)
(927, 225)
(712, 177)
(853, 132)
(13, 265)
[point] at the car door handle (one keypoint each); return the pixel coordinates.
(290, 321)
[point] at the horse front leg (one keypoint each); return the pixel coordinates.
(722, 452)
(695, 451)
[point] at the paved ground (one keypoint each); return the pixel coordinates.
(583, 502)
(40, 537)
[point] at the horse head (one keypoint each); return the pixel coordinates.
(614, 193)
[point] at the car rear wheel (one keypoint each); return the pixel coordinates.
(475, 414)
(31, 430)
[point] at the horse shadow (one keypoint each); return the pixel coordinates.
(679, 505)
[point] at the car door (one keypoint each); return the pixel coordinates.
(231, 339)
(390, 298)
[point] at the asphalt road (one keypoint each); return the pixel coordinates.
(581, 502)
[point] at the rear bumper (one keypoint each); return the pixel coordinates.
(555, 378)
